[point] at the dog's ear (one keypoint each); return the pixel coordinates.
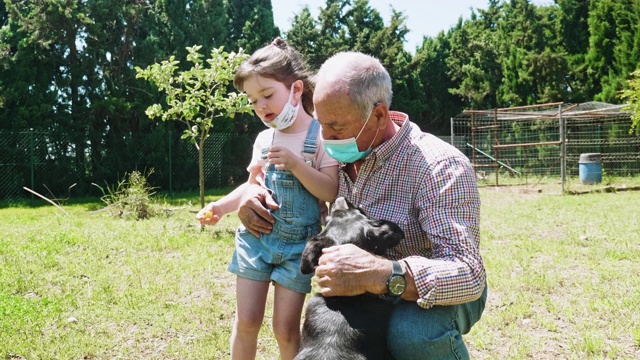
(385, 235)
(312, 252)
(341, 204)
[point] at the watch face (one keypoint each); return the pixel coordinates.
(397, 285)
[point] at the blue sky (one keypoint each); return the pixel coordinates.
(424, 17)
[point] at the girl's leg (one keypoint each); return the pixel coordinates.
(287, 308)
(251, 296)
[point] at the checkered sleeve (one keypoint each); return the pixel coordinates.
(449, 206)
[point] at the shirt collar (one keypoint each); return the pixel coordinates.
(391, 146)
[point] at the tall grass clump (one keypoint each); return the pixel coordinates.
(132, 198)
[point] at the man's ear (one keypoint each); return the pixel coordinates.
(312, 252)
(381, 114)
(385, 235)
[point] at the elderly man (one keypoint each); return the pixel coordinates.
(394, 171)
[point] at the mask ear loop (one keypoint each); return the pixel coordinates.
(374, 138)
(365, 123)
(291, 92)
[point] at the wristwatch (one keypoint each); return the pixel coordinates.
(396, 284)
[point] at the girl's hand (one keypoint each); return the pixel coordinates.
(282, 158)
(210, 214)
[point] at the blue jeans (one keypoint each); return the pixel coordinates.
(435, 333)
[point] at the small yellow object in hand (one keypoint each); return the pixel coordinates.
(208, 215)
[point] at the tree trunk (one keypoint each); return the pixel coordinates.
(201, 169)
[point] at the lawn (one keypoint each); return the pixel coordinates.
(563, 273)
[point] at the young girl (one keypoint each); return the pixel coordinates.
(289, 160)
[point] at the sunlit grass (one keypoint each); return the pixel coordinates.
(563, 275)
(564, 270)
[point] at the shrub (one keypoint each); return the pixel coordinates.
(132, 198)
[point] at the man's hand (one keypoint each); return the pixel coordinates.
(347, 270)
(253, 210)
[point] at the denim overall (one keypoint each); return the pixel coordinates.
(276, 256)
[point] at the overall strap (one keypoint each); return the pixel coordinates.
(311, 142)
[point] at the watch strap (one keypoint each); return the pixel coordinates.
(397, 270)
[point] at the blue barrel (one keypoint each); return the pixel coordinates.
(590, 168)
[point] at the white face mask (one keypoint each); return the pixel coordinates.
(286, 117)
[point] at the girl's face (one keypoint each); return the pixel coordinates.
(268, 96)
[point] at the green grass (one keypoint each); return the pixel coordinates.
(553, 185)
(563, 272)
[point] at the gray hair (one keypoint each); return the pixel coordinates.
(362, 77)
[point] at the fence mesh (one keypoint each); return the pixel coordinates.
(507, 146)
(57, 167)
(543, 143)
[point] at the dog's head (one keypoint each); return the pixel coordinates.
(347, 224)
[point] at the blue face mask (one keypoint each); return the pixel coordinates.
(346, 150)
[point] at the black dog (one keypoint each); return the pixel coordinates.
(347, 327)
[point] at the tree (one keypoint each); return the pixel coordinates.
(439, 104)
(250, 23)
(614, 49)
(197, 96)
(387, 43)
(533, 64)
(574, 31)
(303, 36)
(632, 96)
(473, 63)
(67, 67)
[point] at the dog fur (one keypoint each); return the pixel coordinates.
(347, 327)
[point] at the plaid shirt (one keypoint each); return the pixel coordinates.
(429, 189)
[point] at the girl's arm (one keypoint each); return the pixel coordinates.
(322, 183)
(214, 211)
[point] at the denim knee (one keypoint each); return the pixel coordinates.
(435, 333)
(416, 333)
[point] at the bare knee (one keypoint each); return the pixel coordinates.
(286, 333)
(249, 323)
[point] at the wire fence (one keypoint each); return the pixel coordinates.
(542, 144)
(521, 146)
(57, 166)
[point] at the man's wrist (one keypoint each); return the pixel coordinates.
(378, 282)
(396, 283)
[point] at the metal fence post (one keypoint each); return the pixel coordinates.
(563, 149)
(599, 139)
(451, 121)
(31, 162)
